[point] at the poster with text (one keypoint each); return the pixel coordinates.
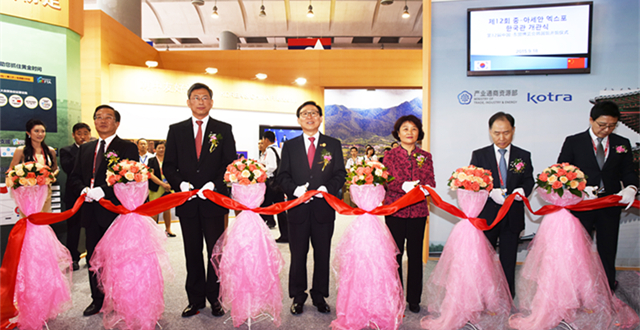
(24, 96)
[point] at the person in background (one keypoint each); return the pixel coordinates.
(381, 159)
(68, 154)
(143, 151)
(151, 147)
(36, 150)
(410, 166)
(158, 186)
(512, 172)
(606, 159)
(353, 159)
(274, 194)
(394, 144)
(370, 154)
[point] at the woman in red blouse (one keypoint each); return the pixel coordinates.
(409, 165)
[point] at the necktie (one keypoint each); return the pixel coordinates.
(600, 157)
(311, 152)
(503, 169)
(99, 158)
(199, 138)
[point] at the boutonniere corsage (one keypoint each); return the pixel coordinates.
(214, 139)
(517, 166)
(111, 157)
(621, 149)
(326, 157)
(419, 159)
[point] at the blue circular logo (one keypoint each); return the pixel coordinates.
(465, 98)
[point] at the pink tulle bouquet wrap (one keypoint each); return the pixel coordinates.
(246, 258)
(563, 279)
(129, 261)
(468, 284)
(43, 279)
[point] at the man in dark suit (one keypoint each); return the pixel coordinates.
(81, 134)
(312, 161)
(607, 161)
(512, 172)
(198, 151)
(89, 176)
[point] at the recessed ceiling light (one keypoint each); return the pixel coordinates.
(151, 64)
(261, 76)
(301, 81)
(211, 70)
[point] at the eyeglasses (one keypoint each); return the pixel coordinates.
(605, 125)
(311, 114)
(199, 98)
(107, 118)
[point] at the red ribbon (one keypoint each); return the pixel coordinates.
(154, 207)
(9, 268)
(4, 190)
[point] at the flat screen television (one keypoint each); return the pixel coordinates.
(534, 39)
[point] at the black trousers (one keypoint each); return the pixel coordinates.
(508, 251)
(300, 234)
(94, 232)
(411, 230)
(73, 235)
(273, 197)
(195, 231)
(606, 223)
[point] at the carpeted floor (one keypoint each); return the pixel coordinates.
(176, 298)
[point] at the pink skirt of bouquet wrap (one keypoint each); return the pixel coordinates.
(563, 278)
(43, 280)
(468, 283)
(248, 262)
(369, 289)
(129, 261)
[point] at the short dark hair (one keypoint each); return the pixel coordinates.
(502, 116)
(269, 135)
(140, 139)
(80, 126)
(199, 86)
(106, 106)
(158, 143)
(308, 103)
(353, 148)
(605, 108)
(394, 142)
(366, 152)
(404, 119)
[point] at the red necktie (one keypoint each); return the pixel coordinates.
(311, 152)
(199, 138)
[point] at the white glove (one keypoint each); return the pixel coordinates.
(86, 198)
(207, 186)
(520, 191)
(425, 191)
(590, 192)
(408, 185)
(300, 190)
(497, 195)
(323, 189)
(95, 194)
(628, 195)
(185, 186)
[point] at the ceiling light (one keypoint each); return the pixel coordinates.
(211, 70)
(310, 12)
(262, 12)
(301, 81)
(261, 76)
(405, 13)
(151, 64)
(215, 12)
(386, 2)
(197, 2)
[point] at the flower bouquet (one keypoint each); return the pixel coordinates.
(369, 288)
(42, 255)
(468, 284)
(562, 278)
(130, 257)
(246, 258)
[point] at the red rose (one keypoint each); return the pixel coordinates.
(557, 185)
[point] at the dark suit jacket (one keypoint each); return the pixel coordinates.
(68, 156)
(181, 164)
(486, 159)
(294, 171)
(618, 167)
(155, 166)
(83, 173)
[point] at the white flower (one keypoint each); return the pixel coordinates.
(28, 167)
(246, 173)
(129, 176)
(233, 178)
(462, 176)
(257, 173)
(378, 172)
(39, 166)
(19, 170)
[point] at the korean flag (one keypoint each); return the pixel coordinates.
(481, 65)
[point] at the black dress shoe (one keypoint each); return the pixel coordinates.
(297, 308)
(75, 265)
(92, 309)
(216, 309)
(322, 307)
(191, 310)
(282, 240)
(414, 308)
